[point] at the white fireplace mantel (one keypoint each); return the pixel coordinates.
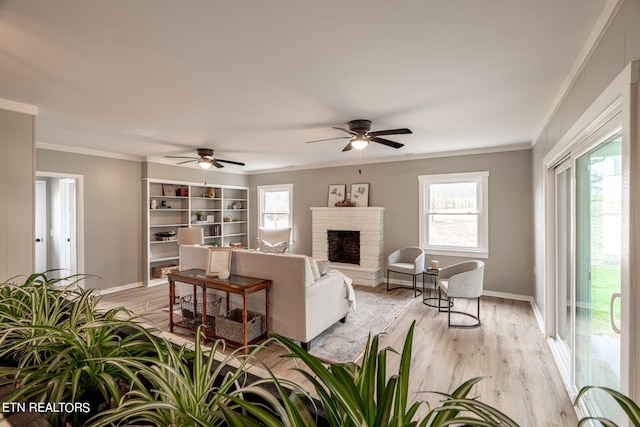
(369, 222)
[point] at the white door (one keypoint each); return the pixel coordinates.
(41, 237)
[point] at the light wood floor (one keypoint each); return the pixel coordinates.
(522, 379)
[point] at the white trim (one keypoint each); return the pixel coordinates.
(261, 189)
(408, 157)
(608, 12)
(481, 178)
(79, 215)
(120, 288)
(614, 110)
(86, 151)
(18, 107)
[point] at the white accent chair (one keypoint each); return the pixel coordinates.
(408, 260)
(274, 236)
(462, 280)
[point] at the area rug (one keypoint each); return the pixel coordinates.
(345, 342)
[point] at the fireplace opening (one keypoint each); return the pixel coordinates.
(344, 246)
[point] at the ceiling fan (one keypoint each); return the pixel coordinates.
(360, 133)
(206, 159)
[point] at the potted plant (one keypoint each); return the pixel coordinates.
(200, 215)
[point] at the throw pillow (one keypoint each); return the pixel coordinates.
(322, 266)
(314, 268)
(276, 248)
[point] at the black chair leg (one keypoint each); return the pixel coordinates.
(476, 317)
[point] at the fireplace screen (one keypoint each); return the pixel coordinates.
(344, 246)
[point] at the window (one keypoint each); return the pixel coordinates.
(275, 205)
(454, 217)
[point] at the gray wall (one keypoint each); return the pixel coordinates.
(114, 209)
(394, 186)
(112, 214)
(619, 46)
(17, 175)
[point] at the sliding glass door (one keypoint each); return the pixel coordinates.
(588, 269)
(598, 268)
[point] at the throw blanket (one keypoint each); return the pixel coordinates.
(351, 295)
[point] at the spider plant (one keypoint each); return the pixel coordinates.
(361, 395)
(628, 406)
(60, 346)
(37, 302)
(364, 395)
(180, 387)
(458, 409)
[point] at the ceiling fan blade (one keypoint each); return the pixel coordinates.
(387, 142)
(186, 161)
(327, 139)
(391, 132)
(181, 157)
(229, 161)
(345, 130)
(216, 164)
(348, 147)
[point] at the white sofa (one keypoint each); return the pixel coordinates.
(301, 307)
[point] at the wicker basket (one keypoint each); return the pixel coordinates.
(162, 270)
(213, 309)
(229, 327)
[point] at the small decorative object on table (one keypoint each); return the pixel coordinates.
(218, 260)
(344, 205)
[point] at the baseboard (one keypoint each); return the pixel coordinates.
(487, 293)
(120, 288)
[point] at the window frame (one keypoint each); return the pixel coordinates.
(481, 179)
(262, 189)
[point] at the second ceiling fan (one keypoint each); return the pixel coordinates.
(205, 159)
(361, 135)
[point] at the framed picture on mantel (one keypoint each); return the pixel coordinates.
(360, 195)
(336, 194)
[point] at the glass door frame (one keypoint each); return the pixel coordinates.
(615, 110)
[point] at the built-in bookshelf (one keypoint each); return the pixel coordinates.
(221, 212)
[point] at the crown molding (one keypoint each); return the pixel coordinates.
(609, 11)
(408, 157)
(18, 107)
(86, 151)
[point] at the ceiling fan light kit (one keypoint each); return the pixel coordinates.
(361, 135)
(359, 142)
(206, 159)
(204, 163)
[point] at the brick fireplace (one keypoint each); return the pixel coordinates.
(351, 224)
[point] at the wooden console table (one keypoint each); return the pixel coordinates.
(239, 285)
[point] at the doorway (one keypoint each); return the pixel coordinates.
(58, 227)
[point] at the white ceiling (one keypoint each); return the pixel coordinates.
(256, 79)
